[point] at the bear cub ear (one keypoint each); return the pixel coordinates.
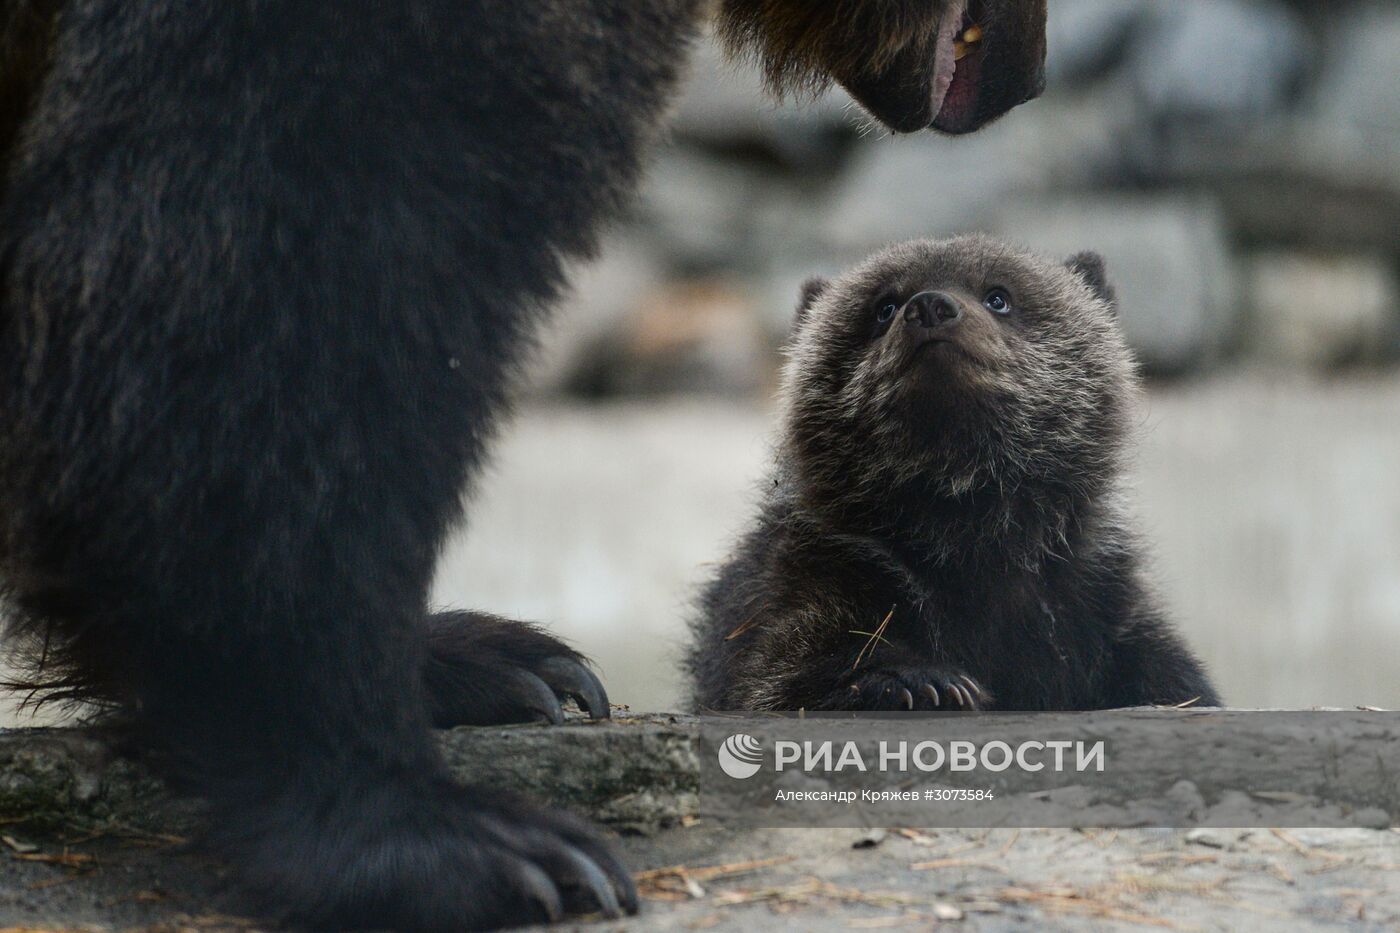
(1089, 266)
(811, 290)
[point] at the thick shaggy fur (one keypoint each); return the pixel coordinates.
(266, 270)
(801, 46)
(27, 30)
(945, 527)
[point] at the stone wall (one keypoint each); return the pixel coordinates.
(1238, 161)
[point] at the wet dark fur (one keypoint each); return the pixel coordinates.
(969, 513)
(266, 271)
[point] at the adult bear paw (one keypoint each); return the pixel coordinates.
(430, 857)
(912, 688)
(485, 670)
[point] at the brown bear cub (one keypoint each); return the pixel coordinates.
(945, 528)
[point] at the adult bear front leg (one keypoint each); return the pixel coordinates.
(486, 670)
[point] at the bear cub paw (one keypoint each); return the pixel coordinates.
(911, 688)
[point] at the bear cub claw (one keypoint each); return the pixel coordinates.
(912, 689)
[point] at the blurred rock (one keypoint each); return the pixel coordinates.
(603, 293)
(1295, 182)
(1356, 94)
(726, 106)
(1168, 258)
(1320, 311)
(1203, 128)
(776, 288)
(1087, 38)
(1218, 60)
(1321, 176)
(700, 208)
(699, 336)
(929, 185)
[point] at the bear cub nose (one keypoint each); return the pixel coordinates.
(932, 309)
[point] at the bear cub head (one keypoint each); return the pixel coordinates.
(939, 371)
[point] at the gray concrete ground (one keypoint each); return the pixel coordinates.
(107, 854)
(1023, 880)
(768, 880)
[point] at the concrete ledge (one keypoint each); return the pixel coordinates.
(89, 841)
(641, 773)
(634, 773)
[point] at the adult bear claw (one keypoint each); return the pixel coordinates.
(568, 876)
(519, 689)
(569, 676)
(487, 670)
(414, 854)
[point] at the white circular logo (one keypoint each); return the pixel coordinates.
(741, 756)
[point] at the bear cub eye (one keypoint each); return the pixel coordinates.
(998, 301)
(887, 312)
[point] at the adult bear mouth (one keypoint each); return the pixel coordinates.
(959, 56)
(981, 60)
